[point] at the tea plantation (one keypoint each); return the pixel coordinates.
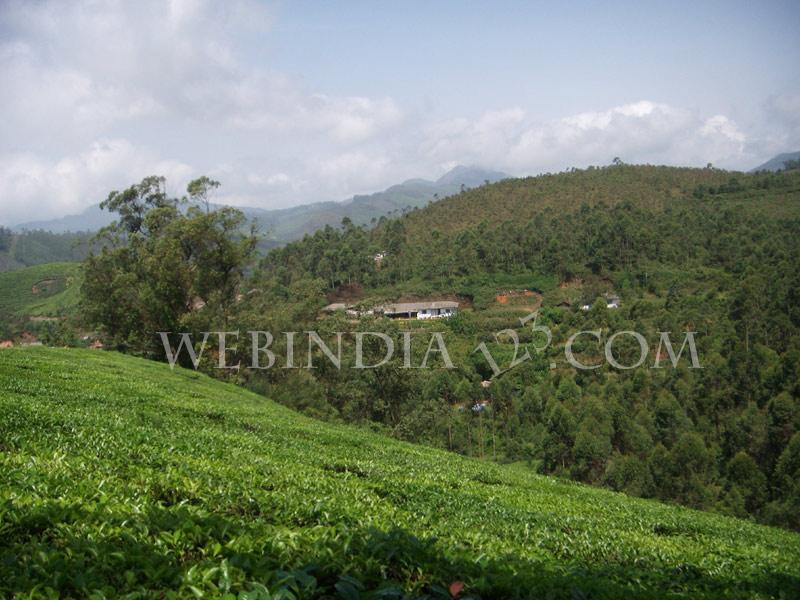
(123, 478)
(49, 290)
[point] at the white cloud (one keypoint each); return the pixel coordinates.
(95, 96)
(41, 101)
(720, 125)
(41, 187)
(353, 172)
(94, 65)
(642, 131)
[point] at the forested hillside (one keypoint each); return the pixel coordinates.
(30, 248)
(519, 200)
(698, 250)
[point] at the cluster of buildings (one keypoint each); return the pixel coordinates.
(434, 309)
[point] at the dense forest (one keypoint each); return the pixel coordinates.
(698, 250)
(38, 247)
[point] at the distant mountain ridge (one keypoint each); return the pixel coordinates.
(776, 162)
(287, 224)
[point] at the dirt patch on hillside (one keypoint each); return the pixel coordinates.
(27, 339)
(571, 283)
(511, 295)
(521, 299)
(43, 286)
(348, 292)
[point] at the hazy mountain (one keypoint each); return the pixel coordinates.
(776, 163)
(91, 219)
(287, 224)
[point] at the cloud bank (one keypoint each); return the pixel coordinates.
(94, 96)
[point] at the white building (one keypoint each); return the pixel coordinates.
(439, 309)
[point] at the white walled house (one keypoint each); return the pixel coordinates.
(440, 309)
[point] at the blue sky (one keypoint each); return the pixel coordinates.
(550, 58)
(294, 102)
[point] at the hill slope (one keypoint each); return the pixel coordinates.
(776, 163)
(43, 290)
(520, 200)
(18, 250)
(121, 476)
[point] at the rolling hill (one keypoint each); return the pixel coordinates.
(48, 290)
(698, 250)
(123, 477)
(520, 200)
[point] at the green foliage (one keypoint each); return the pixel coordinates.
(791, 165)
(163, 269)
(122, 478)
(699, 250)
(50, 290)
(787, 480)
(29, 248)
(6, 238)
(200, 191)
(617, 220)
(747, 482)
(723, 265)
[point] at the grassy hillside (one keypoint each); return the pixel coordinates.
(120, 476)
(43, 290)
